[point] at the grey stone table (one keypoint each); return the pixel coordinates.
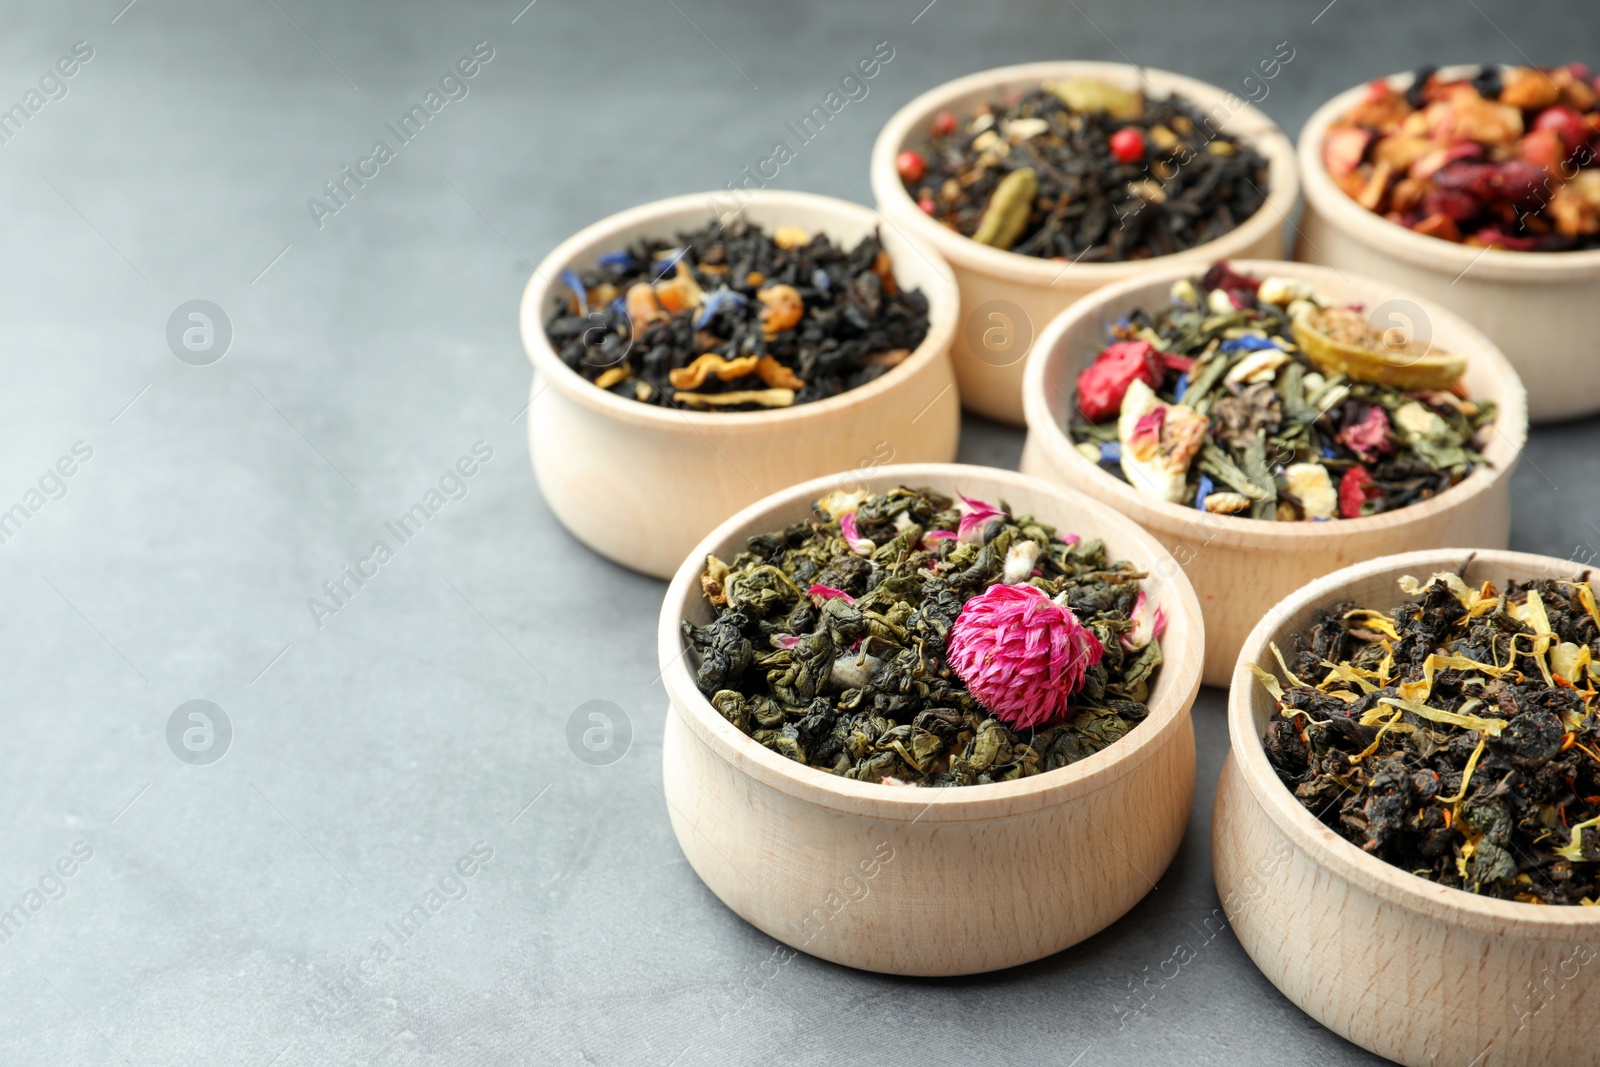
(397, 858)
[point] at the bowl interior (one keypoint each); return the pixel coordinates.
(1374, 585)
(1172, 692)
(1083, 331)
(910, 128)
(846, 224)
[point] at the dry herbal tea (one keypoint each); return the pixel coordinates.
(732, 318)
(1260, 398)
(909, 639)
(1455, 737)
(1504, 159)
(1081, 170)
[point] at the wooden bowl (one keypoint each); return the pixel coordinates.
(945, 881)
(1414, 971)
(642, 484)
(1240, 567)
(1007, 298)
(1539, 307)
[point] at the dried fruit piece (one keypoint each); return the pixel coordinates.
(1356, 488)
(791, 237)
(1159, 440)
(767, 398)
(782, 308)
(1309, 483)
(1340, 341)
(1008, 210)
(777, 375)
(710, 365)
(1102, 384)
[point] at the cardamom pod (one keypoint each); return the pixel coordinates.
(1008, 210)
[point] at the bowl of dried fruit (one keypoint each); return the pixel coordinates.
(1271, 422)
(1408, 824)
(1478, 188)
(1042, 182)
(689, 360)
(930, 720)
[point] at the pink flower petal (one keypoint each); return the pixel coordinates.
(786, 641)
(976, 515)
(931, 539)
(827, 592)
(861, 546)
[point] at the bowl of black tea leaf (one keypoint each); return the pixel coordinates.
(1271, 422)
(1409, 818)
(1043, 182)
(887, 689)
(694, 354)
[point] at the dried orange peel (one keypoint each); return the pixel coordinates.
(711, 365)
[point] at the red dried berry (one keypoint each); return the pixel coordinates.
(910, 166)
(1568, 122)
(944, 124)
(1355, 489)
(1543, 148)
(927, 205)
(1102, 385)
(1127, 144)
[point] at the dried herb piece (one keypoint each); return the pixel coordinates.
(839, 641)
(1505, 159)
(1081, 170)
(731, 318)
(1259, 398)
(1454, 737)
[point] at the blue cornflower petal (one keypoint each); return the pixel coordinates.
(819, 279)
(1182, 386)
(576, 285)
(1207, 487)
(1110, 451)
(1328, 453)
(622, 260)
(715, 302)
(1246, 344)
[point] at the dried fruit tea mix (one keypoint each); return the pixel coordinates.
(1260, 398)
(1504, 158)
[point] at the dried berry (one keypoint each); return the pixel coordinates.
(910, 166)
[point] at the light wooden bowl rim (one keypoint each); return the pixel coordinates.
(1511, 420)
(1247, 123)
(1438, 902)
(1177, 681)
(666, 216)
(1432, 253)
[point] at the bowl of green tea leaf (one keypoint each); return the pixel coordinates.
(1409, 819)
(694, 354)
(887, 689)
(1271, 422)
(1042, 182)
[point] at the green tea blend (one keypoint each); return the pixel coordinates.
(1455, 737)
(911, 639)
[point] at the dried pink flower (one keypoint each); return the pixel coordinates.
(861, 546)
(820, 593)
(931, 539)
(976, 515)
(1021, 654)
(1148, 624)
(1369, 437)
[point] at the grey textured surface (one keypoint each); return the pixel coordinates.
(225, 905)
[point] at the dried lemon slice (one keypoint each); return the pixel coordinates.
(1340, 341)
